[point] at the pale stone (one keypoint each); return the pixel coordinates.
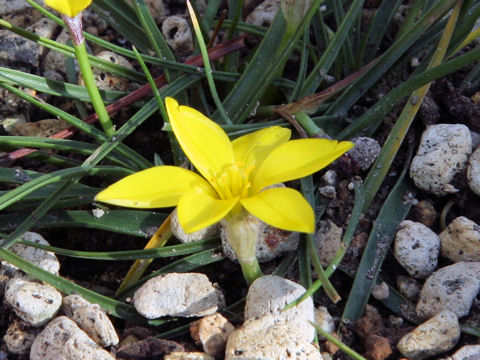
(33, 302)
(19, 339)
(92, 319)
(212, 332)
(39, 257)
(442, 154)
(473, 171)
(467, 352)
(461, 240)
(178, 294)
(177, 355)
(365, 151)
(270, 294)
(264, 338)
(177, 33)
(416, 248)
(433, 337)
(324, 320)
(451, 288)
(63, 339)
(328, 241)
(203, 234)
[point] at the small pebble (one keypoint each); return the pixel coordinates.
(330, 177)
(324, 320)
(63, 339)
(264, 338)
(467, 352)
(435, 336)
(473, 172)
(381, 291)
(19, 338)
(328, 191)
(424, 213)
(451, 288)
(41, 128)
(108, 81)
(409, 287)
(178, 294)
(442, 154)
(365, 151)
(177, 33)
(263, 14)
(416, 248)
(33, 302)
(92, 319)
(328, 241)
(203, 234)
(39, 257)
(211, 332)
(270, 294)
(461, 240)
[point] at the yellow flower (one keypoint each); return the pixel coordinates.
(233, 174)
(68, 7)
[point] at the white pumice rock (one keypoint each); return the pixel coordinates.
(91, 318)
(365, 151)
(156, 9)
(12, 6)
(264, 13)
(473, 172)
(381, 291)
(39, 257)
(33, 302)
(416, 248)
(19, 338)
(264, 338)
(409, 287)
(211, 332)
(180, 234)
(270, 294)
(328, 240)
(177, 33)
(10, 121)
(271, 242)
(442, 154)
(324, 320)
(467, 352)
(44, 27)
(451, 288)
(435, 336)
(461, 240)
(106, 80)
(328, 191)
(177, 355)
(63, 339)
(330, 177)
(178, 294)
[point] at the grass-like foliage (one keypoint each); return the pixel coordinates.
(304, 71)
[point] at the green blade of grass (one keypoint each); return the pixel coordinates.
(393, 212)
(128, 222)
(389, 57)
(330, 54)
(155, 253)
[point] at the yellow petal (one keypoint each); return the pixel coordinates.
(68, 7)
(253, 148)
(197, 211)
(283, 208)
(296, 159)
(203, 141)
(160, 186)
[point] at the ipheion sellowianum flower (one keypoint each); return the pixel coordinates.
(236, 178)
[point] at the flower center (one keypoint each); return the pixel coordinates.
(234, 181)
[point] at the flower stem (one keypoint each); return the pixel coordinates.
(75, 27)
(242, 230)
